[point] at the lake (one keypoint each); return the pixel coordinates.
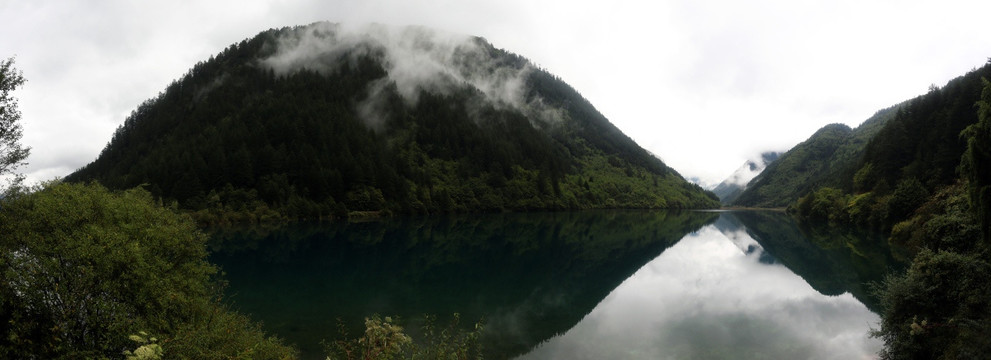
(570, 285)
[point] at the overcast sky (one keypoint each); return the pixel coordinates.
(702, 84)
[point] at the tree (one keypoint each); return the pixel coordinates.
(938, 309)
(12, 153)
(976, 162)
(84, 268)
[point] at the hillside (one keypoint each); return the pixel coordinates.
(891, 163)
(324, 119)
(828, 158)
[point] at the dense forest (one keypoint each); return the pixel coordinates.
(827, 158)
(237, 139)
(918, 173)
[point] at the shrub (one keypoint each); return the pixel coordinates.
(83, 268)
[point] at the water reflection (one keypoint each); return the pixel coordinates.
(719, 293)
(832, 260)
(581, 285)
(734, 230)
(530, 276)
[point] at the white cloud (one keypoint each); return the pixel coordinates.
(703, 84)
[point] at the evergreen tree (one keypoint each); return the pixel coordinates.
(976, 163)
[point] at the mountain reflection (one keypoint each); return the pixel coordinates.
(754, 289)
(529, 276)
(832, 260)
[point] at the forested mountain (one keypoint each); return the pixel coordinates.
(919, 173)
(827, 158)
(324, 119)
(888, 166)
(731, 188)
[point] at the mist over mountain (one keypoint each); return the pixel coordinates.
(731, 188)
(326, 119)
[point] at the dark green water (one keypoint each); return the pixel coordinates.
(598, 284)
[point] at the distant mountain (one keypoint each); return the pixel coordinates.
(828, 158)
(731, 188)
(324, 119)
(701, 182)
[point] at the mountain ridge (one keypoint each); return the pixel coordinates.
(827, 158)
(321, 120)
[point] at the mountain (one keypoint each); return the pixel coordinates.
(731, 188)
(828, 158)
(880, 172)
(327, 119)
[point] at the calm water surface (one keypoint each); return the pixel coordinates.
(581, 285)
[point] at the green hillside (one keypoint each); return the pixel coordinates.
(319, 120)
(828, 158)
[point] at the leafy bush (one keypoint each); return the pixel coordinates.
(939, 309)
(384, 339)
(825, 204)
(83, 268)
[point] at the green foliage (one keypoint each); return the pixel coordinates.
(908, 195)
(452, 342)
(864, 178)
(939, 309)
(923, 140)
(918, 139)
(148, 348)
(830, 157)
(975, 165)
(825, 204)
(383, 339)
(84, 267)
(915, 146)
(215, 332)
(787, 178)
(297, 146)
(228, 206)
(944, 222)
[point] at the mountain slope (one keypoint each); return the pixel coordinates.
(902, 154)
(828, 158)
(325, 119)
(796, 171)
(731, 188)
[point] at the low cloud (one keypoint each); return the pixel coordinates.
(416, 60)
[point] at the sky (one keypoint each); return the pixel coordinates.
(703, 84)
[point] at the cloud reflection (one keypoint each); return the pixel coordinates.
(704, 298)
